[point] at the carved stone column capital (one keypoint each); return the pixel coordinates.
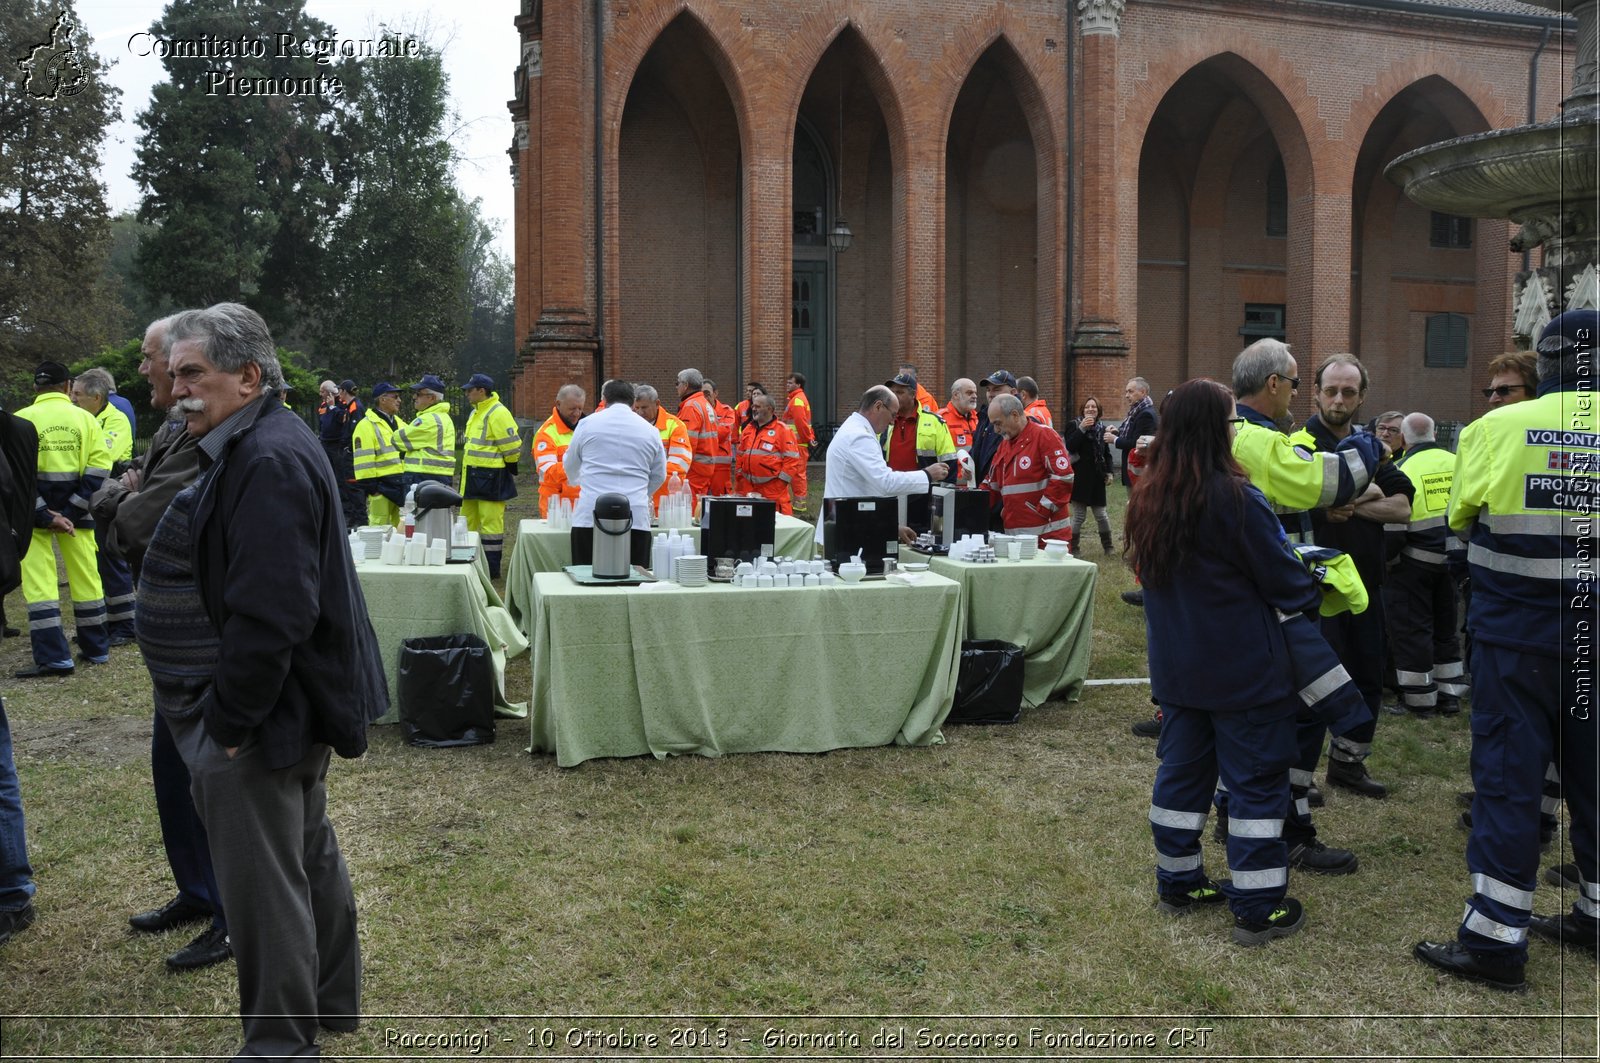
(1101, 17)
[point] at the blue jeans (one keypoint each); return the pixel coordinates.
(16, 877)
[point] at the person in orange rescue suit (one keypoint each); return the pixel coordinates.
(741, 412)
(674, 439)
(727, 436)
(700, 423)
(1030, 478)
(925, 398)
(797, 415)
(550, 446)
(1032, 404)
(961, 415)
(768, 455)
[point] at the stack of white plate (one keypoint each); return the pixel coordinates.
(1030, 546)
(372, 538)
(692, 570)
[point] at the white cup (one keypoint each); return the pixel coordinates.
(1014, 550)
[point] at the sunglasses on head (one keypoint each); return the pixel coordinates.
(1504, 389)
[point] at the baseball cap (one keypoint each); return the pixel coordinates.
(49, 373)
(347, 386)
(1000, 376)
(904, 380)
(480, 380)
(429, 383)
(383, 387)
(1573, 330)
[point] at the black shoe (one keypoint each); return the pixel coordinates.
(1449, 706)
(1314, 796)
(1134, 597)
(1352, 775)
(11, 632)
(1150, 727)
(176, 912)
(209, 948)
(1562, 876)
(42, 671)
(1465, 799)
(1285, 919)
(1105, 545)
(1564, 929)
(1316, 857)
(1202, 896)
(122, 640)
(1452, 957)
(1394, 708)
(15, 921)
(1465, 822)
(1219, 830)
(1422, 713)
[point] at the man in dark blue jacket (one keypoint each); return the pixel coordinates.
(273, 577)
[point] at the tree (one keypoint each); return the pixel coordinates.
(54, 302)
(395, 269)
(488, 344)
(240, 185)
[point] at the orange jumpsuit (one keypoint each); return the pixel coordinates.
(768, 459)
(797, 415)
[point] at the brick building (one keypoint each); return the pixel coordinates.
(1081, 190)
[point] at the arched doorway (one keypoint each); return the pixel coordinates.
(814, 195)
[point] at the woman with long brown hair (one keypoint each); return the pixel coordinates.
(1217, 574)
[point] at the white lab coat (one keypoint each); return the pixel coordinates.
(855, 467)
(615, 450)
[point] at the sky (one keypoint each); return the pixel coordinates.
(480, 47)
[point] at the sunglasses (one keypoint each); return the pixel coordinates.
(1504, 389)
(1294, 381)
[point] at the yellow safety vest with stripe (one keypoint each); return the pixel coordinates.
(1431, 470)
(1295, 476)
(934, 442)
(373, 449)
(429, 442)
(491, 437)
(1525, 496)
(118, 432)
(73, 459)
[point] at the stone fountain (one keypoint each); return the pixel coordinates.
(1544, 177)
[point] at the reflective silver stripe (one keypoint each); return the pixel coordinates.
(1330, 480)
(79, 501)
(1426, 699)
(1302, 807)
(1395, 527)
(1427, 557)
(58, 477)
(1553, 774)
(1284, 618)
(1222, 787)
(724, 460)
(1550, 806)
(364, 452)
(119, 599)
(1325, 684)
(1591, 890)
(1546, 568)
(1299, 777)
(1479, 923)
(1505, 893)
(1021, 489)
(1411, 679)
(1552, 524)
(1358, 470)
(1351, 750)
(1426, 523)
(1588, 907)
(1178, 863)
(1272, 878)
(92, 471)
(1256, 828)
(44, 624)
(1458, 690)
(1449, 670)
(1166, 817)
(1043, 529)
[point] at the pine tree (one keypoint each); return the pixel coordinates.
(54, 110)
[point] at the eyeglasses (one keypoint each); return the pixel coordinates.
(1236, 420)
(1387, 430)
(1504, 389)
(1294, 381)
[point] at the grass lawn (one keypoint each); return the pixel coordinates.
(999, 884)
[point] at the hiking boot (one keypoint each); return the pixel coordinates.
(1286, 918)
(1563, 876)
(1320, 859)
(1150, 727)
(1203, 895)
(1352, 775)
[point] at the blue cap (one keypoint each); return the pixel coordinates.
(1570, 332)
(480, 380)
(905, 380)
(383, 387)
(1000, 376)
(429, 383)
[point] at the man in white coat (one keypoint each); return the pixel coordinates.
(614, 451)
(855, 466)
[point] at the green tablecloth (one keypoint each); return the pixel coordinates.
(1044, 606)
(624, 671)
(408, 602)
(539, 549)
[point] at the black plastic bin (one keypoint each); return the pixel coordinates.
(447, 691)
(989, 684)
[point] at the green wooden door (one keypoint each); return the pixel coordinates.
(808, 322)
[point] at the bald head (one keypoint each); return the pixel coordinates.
(1417, 428)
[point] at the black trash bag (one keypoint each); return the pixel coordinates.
(447, 691)
(989, 684)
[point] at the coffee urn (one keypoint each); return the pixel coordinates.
(613, 537)
(436, 504)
